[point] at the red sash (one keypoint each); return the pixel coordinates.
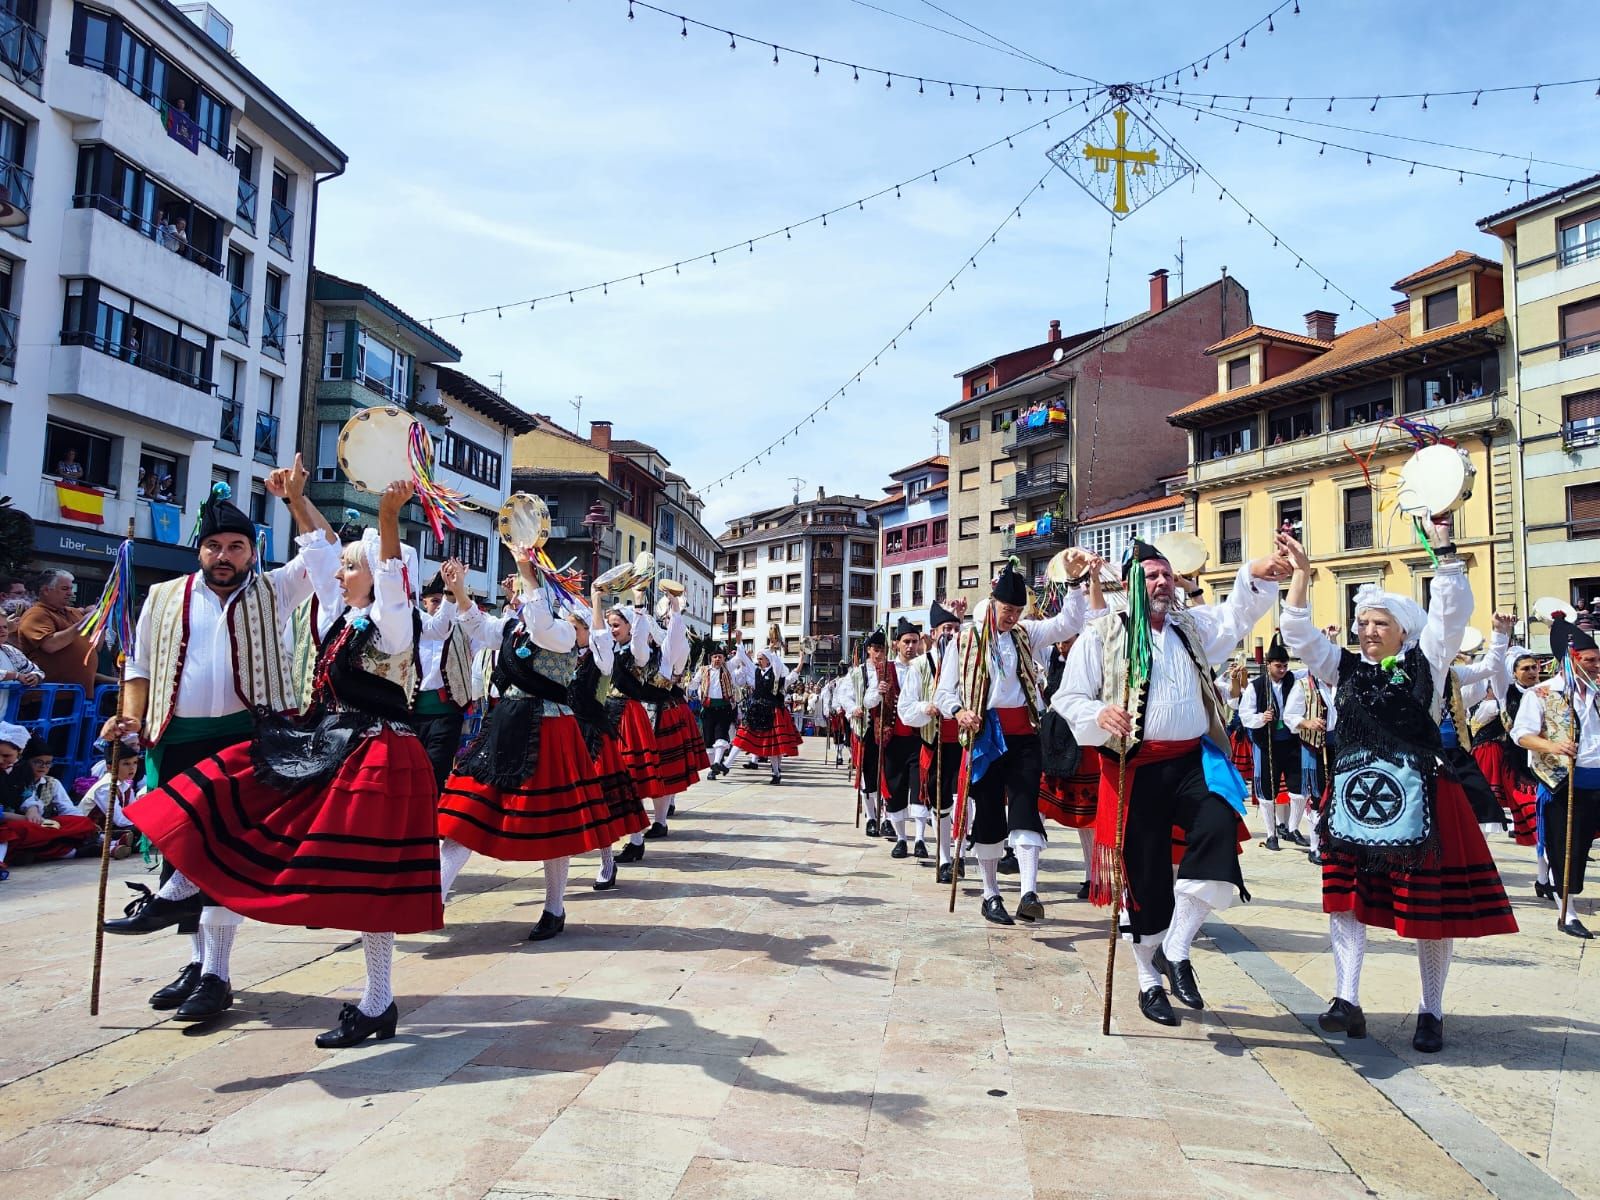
(1016, 722)
(1107, 836)
(901, 729)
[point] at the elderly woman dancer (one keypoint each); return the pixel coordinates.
(1400, 845)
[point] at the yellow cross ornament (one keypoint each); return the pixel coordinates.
(1103, 157)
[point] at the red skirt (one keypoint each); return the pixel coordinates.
(1072, 802)
(1517, 796)
(42, 842)
(781, 741)
(618, 792)
(361, 852)
(639, 751)
(1244, 758)
(680, 751)
(556, 812)
(783, 722)
(1457, 893)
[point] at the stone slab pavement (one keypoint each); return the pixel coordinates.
(770, 1006)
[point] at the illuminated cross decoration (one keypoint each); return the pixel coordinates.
(1122, 157)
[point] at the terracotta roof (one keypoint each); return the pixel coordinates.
(1538, 202)
(1161, 504)
(485, 401)
(1251, 332)
(1360, 346)
(933, 460)
(1460, 258)
(936, 487)
(630, 446)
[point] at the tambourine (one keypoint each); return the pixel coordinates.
(1067, 565)
(1471, 641)
(1435, 481)
(524, 522)
(1185, 552)
(1546, 607)
(372, 448)
(618, 579)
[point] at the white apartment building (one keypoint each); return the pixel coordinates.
(153, 274)
(685, 551)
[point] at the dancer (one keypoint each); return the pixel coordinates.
(1401, 848)
(940, 764)
(1312, 711)
(1261, 711)
(1505, 764)
(327, 819)
(1175, 770)
(444, 653)
(626, 627)
(209, 650)
(767, 730)
(680, 750)
(1466, 687)
(1558, 726)
(715, 687)
(860, 701)
(1069, 797)
(902, 746)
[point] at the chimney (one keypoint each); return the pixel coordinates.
(1158, 289)
(1402, 306)
(1320, 323)
(600, 434)
(820, 493)
(1055, 332)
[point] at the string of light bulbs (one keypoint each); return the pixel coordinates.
(889, 77)
(748, 244)
(900, 16)
(969, 263)
(1372, 100)
(1203, 63)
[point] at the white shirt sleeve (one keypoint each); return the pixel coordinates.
(1065, 624)
(391, 607)
(436, 626)
(947, 692)
(675, 647)
(874, 697)
(1449, 610)
(639, 640)
(1078, 698)
(844, 695)
(1530, 717)
(137, 666)
(1294, 708)
(1309, 644)
(312, 569)
(742, 670)
(544, 629)
(603, 647)
(909, 707)
(1250, 714)
(1224, 626)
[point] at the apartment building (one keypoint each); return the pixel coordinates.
(914, 528)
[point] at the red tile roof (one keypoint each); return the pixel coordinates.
(1251, 332)
(1161, 504)
(1460, 258)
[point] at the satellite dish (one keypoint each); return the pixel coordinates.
(1059, 354)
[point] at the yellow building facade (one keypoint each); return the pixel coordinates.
(1551, 256)
(1282, 439)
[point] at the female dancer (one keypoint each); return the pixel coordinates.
(767, 730)
(624, 807)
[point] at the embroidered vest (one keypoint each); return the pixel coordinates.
(858, 688)
(1457, 709)
(1027, 671)
(303, 649)
(1273, 700)
(261, 677)
(455, 666)
(1113, 630)
(724, 679)
(1560, 725)
(1316, 710)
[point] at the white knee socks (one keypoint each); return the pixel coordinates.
(1297, 812)
(636, 839)
(1144, 954)
(452, 857)
(944, 839)
(379, 992)
(177, 888)
(1311, 836)
(218, 944)
(1269, 817)
(719, 750)
(1349, 938)
(1086, 844)
(662, 803)
(921, 825)
(731, 757)
(555, 885)
(608, 865)
(990, 869)
(1028, 867)
(1280, 814)
(777, 768)
(1542, 865)
(869, 802)
(898, 820)
(1433, 959)
(1188, 914)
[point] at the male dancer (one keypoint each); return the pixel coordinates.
(1261, 711)
(714, 684)
(901, 746)
(858, 697)
(941, 737)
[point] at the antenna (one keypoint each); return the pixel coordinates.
(938, 438)
(578, 404)
(1178, 257)
(798, 482)
(499, 378)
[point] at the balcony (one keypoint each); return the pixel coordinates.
(266, 445)
(1579, 435)
(17, 184)
(230, 422)
(8, 346)
(117, 512)
(244, 211)
(117, 380)
(1043, 434)
(1358, 535)
(1232, 552)
(239, 315)
(280, 229)
(1058, 537)
(1577, 252)
(1044, 480)
(99, 242)
(21, 52)
(274, 331)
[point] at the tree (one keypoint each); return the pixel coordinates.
(16, 538)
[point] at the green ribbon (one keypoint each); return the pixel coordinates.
(1423, 538)
(1138, 628)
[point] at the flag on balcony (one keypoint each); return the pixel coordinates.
(1025, 528)
(78, 503)
(165, 522)
(263, 543)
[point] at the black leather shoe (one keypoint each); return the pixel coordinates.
(944, 874)
(1544, 891)
(994, 909)
(1344, 1017)
(605, 885)
(179, 990)
(886, 830)
(656, 830)
(772, 780)
(672, 809)
(211, 997)
(148, 912)
(1299, 839)
(899, 851)
(632, 852)
(872, 827)
(548, 927)
(1180, 975)
(1429, 1037)
(355, 1026)
(1155, 1007)
(920, 850)
(1083, 890)
(1008, 863)
(1029, 908)
(1314, 858)
(1574, 928)
(1272, 844)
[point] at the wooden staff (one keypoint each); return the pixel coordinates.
(974, 688)
(1566, 849)
(1116, 864)
(110, 826)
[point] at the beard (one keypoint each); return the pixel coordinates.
(224, 576)
(1160, 605)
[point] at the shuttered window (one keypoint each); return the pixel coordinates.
(1583, 510)
(1580, 327)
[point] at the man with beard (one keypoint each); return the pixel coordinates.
(209, 651)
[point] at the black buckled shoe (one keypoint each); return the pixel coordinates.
(605, 885)
(1083, 890)
(179, 990)
(148, 912)
(1544, 891)
(944, 875)
(900, 851)
(1154, 1005)
(886, 830)
(774, 780)
(872, 827)
(355, 1027)
(994, 909)
(632, 852)
(1029, 908)
(1575, 928)
(1315, 858)
(1299, 839)
(1344, 1017)
(212, 997)
(920, 850)
(1180, 975)
(672, 808)
(1272, 843)
(1008, 863)
(657, 829)
(548, 927)
(1429, 1037)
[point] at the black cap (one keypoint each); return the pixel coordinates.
(1010, 587)
(875, 638)
(1140, 552)
(223, 516)
(1581, 641)
(939, 615)
(1277, 651)
(903, 627)
(435, 586)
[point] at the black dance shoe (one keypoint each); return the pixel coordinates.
(605, 885)
(632, 852)
(774, 780)
(355, 1027)
(1298, 838)
(994, 909)
(672, 809)
(1083, 890)
(944, 875)
(1155, 1007)
(872, 827)
(1544, 891)
(148, 912)
(1272, 843)
(1314, 858)
(1574, 928)
(1029, 908)
(1180, 975)
(1429, 1037)
(900, 851)
(920, 850)
(1008, 863)
(179, 990)
(548, 927)
(1344, 1017)
(657, 830)
(886, 830)
(211, 997)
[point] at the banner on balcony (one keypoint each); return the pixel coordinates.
(1025, 529)
(165, 522)
(78, 503)
(263, 543)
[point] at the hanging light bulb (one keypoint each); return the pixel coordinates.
(1270, 29)
(855, 74)
(816, 65)
(1475, 99)
(732, 45)
(684, 32)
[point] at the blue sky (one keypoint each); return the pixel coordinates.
(504, 150)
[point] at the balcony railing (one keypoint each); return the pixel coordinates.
(239, 315)
(266, 438)
(274, 329)
(1030, 435)
(1578, 434)
(21, 51)
(8, 345)
(18, 185)
(1579, 252)
(1232, 550)
(244, 210)
(161, 234)
(130, 353)
(1583, 527)
(229, 423)
(1358, 535)
(1036, 481)
(1057, 537)
(280, 229)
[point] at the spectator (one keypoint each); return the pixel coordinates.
(69, 468)
(180, 236)
(15, 666)
(23, 824)
(49, 793)
(48, 634)
(13, 589)
(1381, 413)
(115, 793)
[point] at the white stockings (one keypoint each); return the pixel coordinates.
(177, 888)
(217, 943)
(555, 885)
(1188, 914)
(1349, 938)
(1433, 959)
(379, 992)
(452, 857)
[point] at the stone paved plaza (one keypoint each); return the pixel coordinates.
(769, 1006)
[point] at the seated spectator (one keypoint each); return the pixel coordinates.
(15, 666)
(105, 801)
(48, 634)
(24, 828)
(69, 468)
(1477, 390)
(48, 791)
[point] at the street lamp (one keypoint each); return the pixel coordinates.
(597, 520)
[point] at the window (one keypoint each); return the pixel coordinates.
(1292, 514)
(267, 397)
(381, 367)
(861, 587)
(127, 194)
(280, 224)
(1291, 424)
(73, 452)
(968, 577)
(775, 613)
(774, 583)
(1358, 405)
(1439, 309)
(1578, 237)
(158, 476)
(466, 457)
(792, 584)
(827, 549)
(1000, 468)
(1230, 536)
(1580, 327)
(750, 560)
(978, 386)
(917, 537)
(470, 548)
(747, 616)
(970, 432)
(797, 551)
(258, 504)
(1097, 541)
(105, 320)
(1233, 438)
(333, 350)
(1351, 591)
(747, 587)
(1001, 418)
(791, 614)
(774, 553)
(941, 530)
(894, 541)
(666, 528)
(1452, 383)
(1358, 519)
(941, 580)
(1001, 520)
(1583, 510)
(1238, 372)
(327, 465)
(894, 590)
(916, 587)
(969, 479)
(860, 554)
(968, 528)
(1581, 418)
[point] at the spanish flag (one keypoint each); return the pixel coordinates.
(79, 503)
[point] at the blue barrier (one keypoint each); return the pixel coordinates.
(52, 712)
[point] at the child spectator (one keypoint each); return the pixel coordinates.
(112, 792)
(24, 828)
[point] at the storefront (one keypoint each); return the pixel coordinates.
(88, 554)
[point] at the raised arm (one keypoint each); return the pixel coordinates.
(1449, 610)
(1078, 699)
(1255, 590)
(1304, 640)
(392, 607)
(675, 644)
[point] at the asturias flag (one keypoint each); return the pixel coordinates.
(78, 503)
(164, 522)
